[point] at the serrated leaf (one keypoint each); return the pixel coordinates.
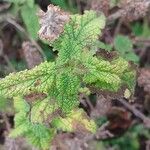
(67, 86)
(81, 32)
(61, 80)
(75, 121)
(28, 81)
(40, 136)
(43, 111)
(104, 74)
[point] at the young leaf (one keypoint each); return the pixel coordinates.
(125, 47)
(123, 44)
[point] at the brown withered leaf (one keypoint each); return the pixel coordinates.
(107, 55)
(31, 55)
(52, 23)
(34, 96)
(119, 120)
(108, 94)
(100, 5)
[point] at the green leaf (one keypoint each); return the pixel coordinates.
(104, 46)
(30, 20)
(146, 30)
(20, 104)
(132, 57)
(123, 44)
(30, 3)
(81, 32)
(28, 81)
(3, 103)
(60, 3)
(43, 110)
(125, 47)
(67, 87)
(137, 29)
(40, 136)
(37, 134)
(19, 130)
(61, 80)
(71, 121)
(142, 30)
(104, 74)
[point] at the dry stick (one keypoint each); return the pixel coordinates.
(6, 121)
(9, 63)
(118, 14)
(6, 58)
(118, 27)
(148, 145)
(136, 112)
(20, 28)
(89, 103)
(115, 15)
(138, 40)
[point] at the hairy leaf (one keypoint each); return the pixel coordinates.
(81, 32)
(28, 81)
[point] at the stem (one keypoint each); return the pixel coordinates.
(20, 28)
(136, 112)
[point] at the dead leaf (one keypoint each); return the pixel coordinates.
(52, 23)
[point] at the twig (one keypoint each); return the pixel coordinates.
(119, 13)
(6, 122)
(138, 40)
(148, 145)
(20, 28)
(9, 63)
(86, 101)
(136, 112)
(118, 27)
(115, 15)
(6, 57)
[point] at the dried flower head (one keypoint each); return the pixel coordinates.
(144, 79)
(134, 9)
(52, 23)
(31, 55)
(100, 5)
